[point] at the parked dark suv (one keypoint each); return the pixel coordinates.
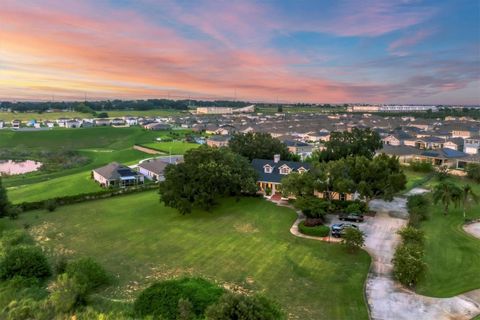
(338, 229)
(350, 217)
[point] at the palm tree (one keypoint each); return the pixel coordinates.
(468, 194)
(446, 193)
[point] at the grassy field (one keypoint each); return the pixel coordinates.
(74, 139)
(452, 256)
(413, 178)
(245, 244)
(25, 116)
(175, 147)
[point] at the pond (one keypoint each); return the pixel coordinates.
(11, 167)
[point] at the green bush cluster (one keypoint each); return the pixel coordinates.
(417, 206)
(473, 171)
(316, 231)
(163, 299)
(24, 261)
(408, 264)
(236, 306)
(88, 272)
(421, 166)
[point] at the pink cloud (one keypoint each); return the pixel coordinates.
(398, 46)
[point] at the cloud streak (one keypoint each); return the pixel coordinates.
(209, 49)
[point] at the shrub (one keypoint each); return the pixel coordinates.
(162, 299)
(353, 239)
(353, 208)
(236, 306)
(14, 212)
(313, 208)
(421, 166)
(408, 265)
(418, 209)
(60, 265)
(28, 262)
(411, 235)
(51, 205)
(473, 171)
(316, 231)
(67, 294)
(88, 273)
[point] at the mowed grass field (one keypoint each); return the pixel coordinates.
(101, 145)
(452, 255)
(244, 244)
(25, 116)
(175, 147)
(413, 178)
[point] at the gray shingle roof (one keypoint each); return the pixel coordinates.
(275, 176)
(114, 171)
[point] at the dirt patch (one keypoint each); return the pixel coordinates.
(47, 232)
(245, 228)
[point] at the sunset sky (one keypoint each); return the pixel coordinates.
(294, 51)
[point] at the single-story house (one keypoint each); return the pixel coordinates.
(218, 141)
(443, 157)
(116, 175)
(157, 126)
(271, 172)
(16, 124)
(101, 122)
(454, 143)
(155, 168)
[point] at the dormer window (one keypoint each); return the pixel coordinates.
(285, 169)
(267, 168)
(301, 170)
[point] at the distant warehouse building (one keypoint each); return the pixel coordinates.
(214, 110)
(390, 108)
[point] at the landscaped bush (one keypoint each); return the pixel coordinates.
(236, 306)
(421, 166)
(412, 235)
(161, 300)
(417, 206)
(343, 205)
(66, 200)
(316, 231)
(88, 273)
(354, 207)
(408, 265)
(28, 262)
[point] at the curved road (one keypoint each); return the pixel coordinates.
(387, 299)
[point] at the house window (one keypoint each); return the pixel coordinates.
(285, 170)
(268, 169)
(301, 170)
(326, 195)
(343, 196)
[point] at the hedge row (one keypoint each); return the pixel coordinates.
(82, 197)
(317, 231)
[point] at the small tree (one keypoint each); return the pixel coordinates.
(353, 239)
(468, 194)
(412, 235)
(313, 208)
(447, 193)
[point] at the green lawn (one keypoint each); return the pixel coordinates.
(245, 244)
(175, 147)
(74, 139)
(413, 178)
(452, 256)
